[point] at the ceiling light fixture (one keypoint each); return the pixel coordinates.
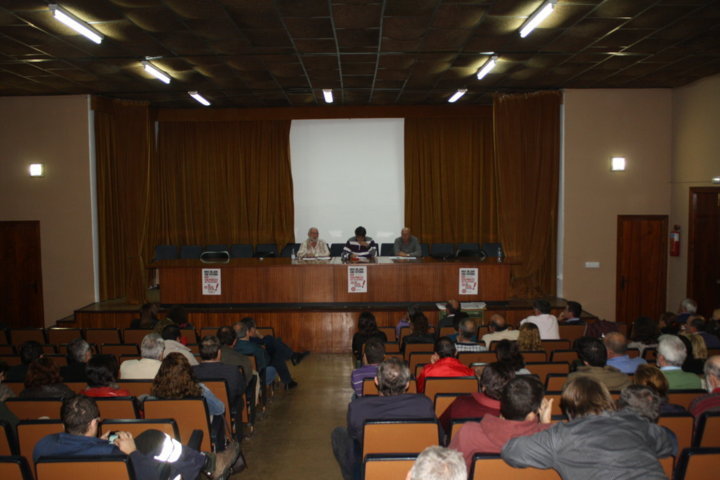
(75, 23)
(487, 68)
(536, 18)
(617, 164)
(36, 170)
(156, 72)
(199, 98)
(457, 95)
(327, 93)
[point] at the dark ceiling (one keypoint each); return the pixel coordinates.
(262, 53)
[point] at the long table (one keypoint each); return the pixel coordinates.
(282, 280)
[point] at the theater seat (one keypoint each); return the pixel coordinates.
(698, 464)
(84, 468)
(14, 468)
(400, 436)
(486, 466)
(387, 466)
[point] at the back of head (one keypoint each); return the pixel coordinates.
(367, 323)
(171, 332)
(575, 309)
(592, 351)
(697, 322)
(444, 347)
(508, 353)
(226, 335)
(393, 377)
(100, 370)
(209, 347)
(42, 371)
(77, 413)
(77, 350)
(641, 400)
(374, 351)
(712, 368)
(152, 346)
(413, 309)
(249, 322)
(615, 342)
(439, 463)
(177, 314)
(529, 337)
(645, 330)
(420, 324)
(584, 396)
(29, 351)
(467, 327)
(175, 379)
(688, 305)
(542, 306)
(521, 396)
(498, 322)
(673, 350)
(651, 376)
(697, 345)
(494, 377)
(241, 329)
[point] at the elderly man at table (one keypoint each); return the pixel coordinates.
(313, 246)
(407, 245)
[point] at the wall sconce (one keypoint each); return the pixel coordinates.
(36, 170)
(618, 164)
(716, 180)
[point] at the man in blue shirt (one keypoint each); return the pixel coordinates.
(616, 345)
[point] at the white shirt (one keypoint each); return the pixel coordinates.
(506, 334)
(319, 250)
(142, 369)
(547, 324)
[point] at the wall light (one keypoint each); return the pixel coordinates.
(716, 180)
(618, 164)
(327, 93)
(456, 96)
(36, 170)
(156, 72)
(536, 18)
(199, 98)
(487, 67)
(75, 23)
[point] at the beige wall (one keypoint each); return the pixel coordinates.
(53, 131)
(599, 124)
(696, 159)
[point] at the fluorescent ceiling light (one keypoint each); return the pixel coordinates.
(618, 164)
(327, 93)
(36, 169)
(536, 18)
(156, 72)
(75, 23)
(457, 95)
(199, 98)
(487, 68)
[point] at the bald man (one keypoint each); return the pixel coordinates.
(499, 330)
(711, 401)
(407, 245)
(616, 346)
(313, 246)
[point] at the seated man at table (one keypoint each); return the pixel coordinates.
(407, 245)
(313, 246)
(360, 246)
(443, 364)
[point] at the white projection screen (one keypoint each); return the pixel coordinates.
(346, 173)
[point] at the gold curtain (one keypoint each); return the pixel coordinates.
(222, 183)
(527, 151)
(122, 143)
(449, 178)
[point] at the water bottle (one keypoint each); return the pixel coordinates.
(500, 256)
(293, 255)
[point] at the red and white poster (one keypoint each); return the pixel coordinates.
(357, 279)
(211, 281)
(468, 284)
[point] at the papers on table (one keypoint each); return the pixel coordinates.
(464, 306)
(310, 259)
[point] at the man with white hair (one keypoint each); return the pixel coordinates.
(688, 307)
(145, 368)
(711, 401)
(438, 463)
(313, 246)
(671, 354)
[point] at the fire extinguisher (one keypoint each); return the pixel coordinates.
(675, 241)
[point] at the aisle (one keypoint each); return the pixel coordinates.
(293, 440)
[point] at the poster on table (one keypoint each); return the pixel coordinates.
(211, 281)
(468, 281)
(357, 279)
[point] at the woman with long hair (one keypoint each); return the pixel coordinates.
(367, 328)
(509, 354)
(529, 338)
(43, 380)
(651, 376)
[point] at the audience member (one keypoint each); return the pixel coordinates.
(420, 328)
(667, 323)
(571, 314)
(393, 378)
(244, 346)
(438, 463)
(313, 246)
(171, 336)
(597, 442)
(645, 333)
(452, 308)
(711, 401)
(406, 319)
(278, 352)
(443, 364)
(617, 356)
(593, 356)
(509, 353)
(367, 328)
(545, 321)
(148, 315)
(229, 356)
(466, 338)
(697, 353)
(146, 367)
(43, 381)
(671, 354)
(697, 325)
(641, 400)
(374, 354)
(687, 308)
(101, 377)
(529, 338)
(78, 354)
(499, 330)
(29, 351)
(651, 376)
(524, 411)
(179, 317)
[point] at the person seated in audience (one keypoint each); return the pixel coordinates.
(452, 308)
(392, 403)
(597, 442)
(697, 325)
(420, 328)
(509, 353)
(146, 367)
(360, 246)
(529, 338)
(466, 338)
(711, 401)
(671, 354)
(617, 356)
(407, 245)
(29, 351)
(545, 321)
(687, 308)
(523, 411)
(179, 317)
(443, 364)
(78, 354)
(153, 454)
(43, 380)
(248, 343)
(667, 323)
(499, 330)
(5, 391)
(438, 463)
(148, 316)
(593, 357)
(243, 346)
(367, 329)
(101, 378)
(651, 376)
(374, 354)
(313, 246)
(228, 356)
(571, 314)
(276, 348)
(492, 381)
(645, 333)
(171, 335)
(406, 319)
(697, 353)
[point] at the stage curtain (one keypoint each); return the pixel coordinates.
(527, 151)
(123, 139)
(449, 178)
(222, 183)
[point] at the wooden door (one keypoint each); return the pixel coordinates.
(21, 295)
(703, 282)
(641, 266)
